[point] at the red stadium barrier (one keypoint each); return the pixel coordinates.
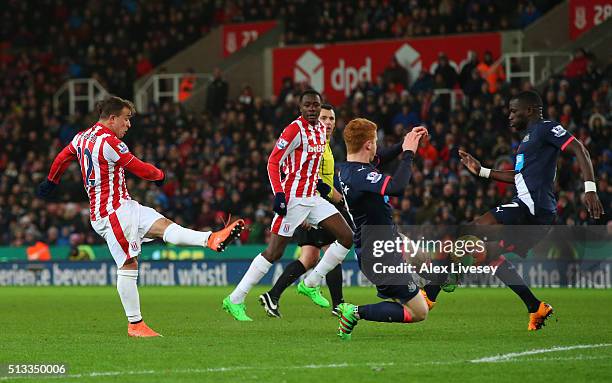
(336, 69)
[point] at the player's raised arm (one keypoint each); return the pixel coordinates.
(395, 185)
(474, 166)
(59, 166)
(286, 144)
(386, 155)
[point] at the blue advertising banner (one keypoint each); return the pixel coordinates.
(579, 274)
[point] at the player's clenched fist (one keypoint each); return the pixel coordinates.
(411, 140)
(470, 162)
(280, 204)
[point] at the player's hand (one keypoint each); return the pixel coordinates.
(280, 204)
(471, 163)
(45, 189)
(593, 204)
(411, 140)
(306, 226)
(323, 188)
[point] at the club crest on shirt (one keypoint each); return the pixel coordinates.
(412, 287)
(281, 143)
(526, 138)
(374, 177)
(558, 131)
(122, 148)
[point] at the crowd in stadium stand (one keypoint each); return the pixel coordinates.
(326, 21)
(62, 35)
(209, 177)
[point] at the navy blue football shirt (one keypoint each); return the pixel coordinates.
(536, 164)
(366, 190)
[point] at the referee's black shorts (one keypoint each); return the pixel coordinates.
(318, 237)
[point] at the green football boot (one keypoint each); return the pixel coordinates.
(451, 283)
(237, 310)
(314, 293)
(347, 320)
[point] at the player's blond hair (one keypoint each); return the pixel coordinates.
(357, 132)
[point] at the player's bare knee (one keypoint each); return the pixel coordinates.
(346, 238)
(309, 260)
(270, 255)
(419, 312)
(273, 252)
(130, 264)
(417, 308)
(420, 315)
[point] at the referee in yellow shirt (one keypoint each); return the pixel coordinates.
(313, 240)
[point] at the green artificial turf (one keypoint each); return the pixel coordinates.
(85, 328)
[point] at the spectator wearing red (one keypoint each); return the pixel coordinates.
(427, 151)
(578, 66)
(143, 65)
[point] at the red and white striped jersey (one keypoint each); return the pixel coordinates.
(102, 157)
(298, 153)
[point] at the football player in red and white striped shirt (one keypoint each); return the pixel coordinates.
(297, 154)
(121, 221)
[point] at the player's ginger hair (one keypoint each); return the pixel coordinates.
(357, 132)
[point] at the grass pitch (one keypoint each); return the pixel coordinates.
(471, 335)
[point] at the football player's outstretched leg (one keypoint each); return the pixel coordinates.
(365, 190)
(534, 204)
(120, 220)
(297, 153)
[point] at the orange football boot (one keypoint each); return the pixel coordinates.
(219, 240)
(536, 319)
(430, 303)
(141, 330)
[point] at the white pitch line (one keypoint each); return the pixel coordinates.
(512, 355)
(555, 359)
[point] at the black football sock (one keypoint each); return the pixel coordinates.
(334, 283)
(432, 290)
(291, 273)
(383, 312)
(508, 274)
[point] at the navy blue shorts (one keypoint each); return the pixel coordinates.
(402, 293)
(517, 213)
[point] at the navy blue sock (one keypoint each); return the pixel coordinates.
(382, 312)
(508, 274)
(291, 273)
(432, 290)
